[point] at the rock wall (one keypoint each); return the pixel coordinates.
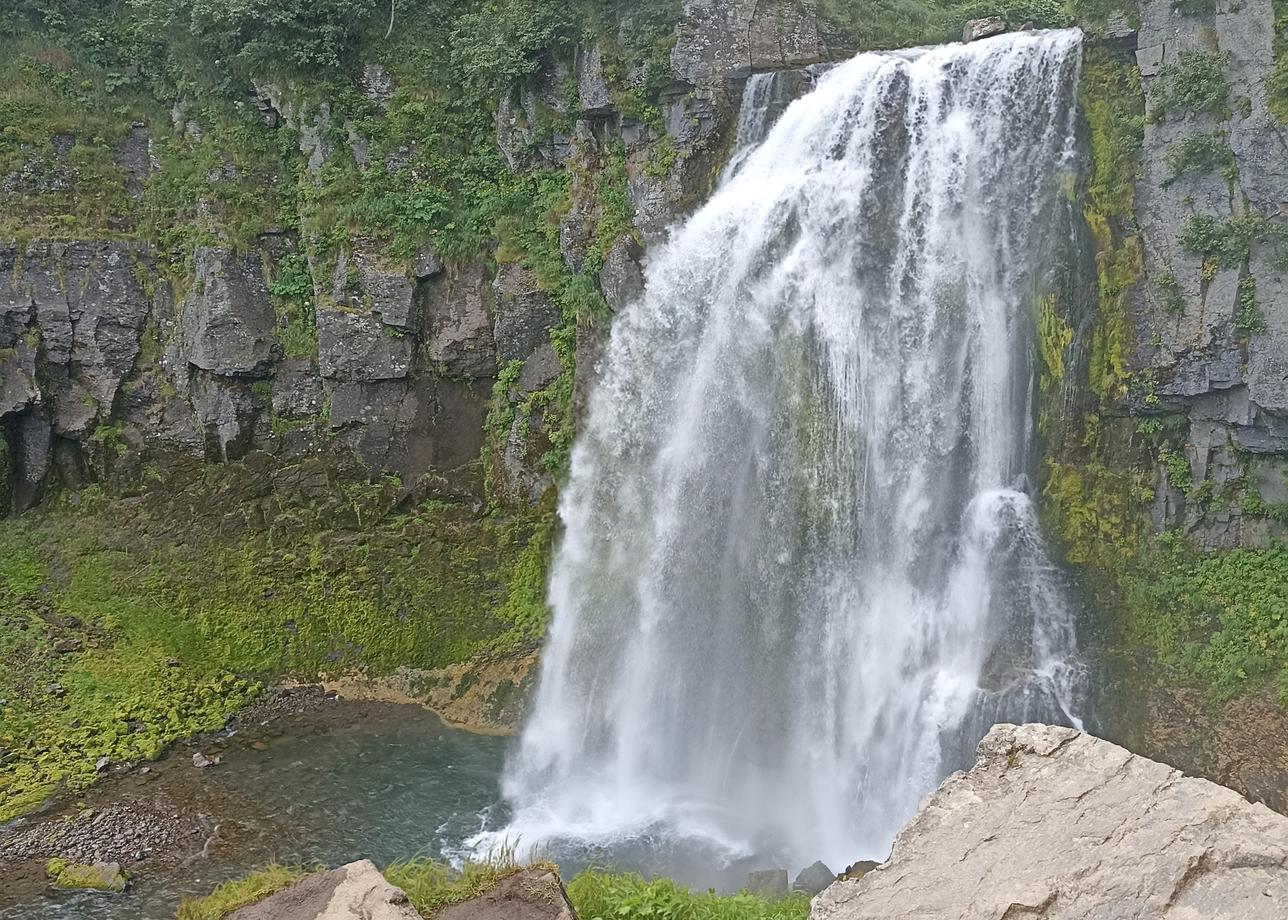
(1051, 823)
(110, 355)
(1209, 329)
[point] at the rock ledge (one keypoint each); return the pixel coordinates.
(1052, 823)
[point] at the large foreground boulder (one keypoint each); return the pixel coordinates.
(354, 892)
(1055, 824)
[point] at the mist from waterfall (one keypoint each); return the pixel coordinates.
(802, 571)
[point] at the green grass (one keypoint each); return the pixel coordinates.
(1219, 621)
(432, 885)
(232, 895)
(605, 896)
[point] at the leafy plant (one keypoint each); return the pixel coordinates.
(1200, 153)
(1195, 83)
(1247, 314)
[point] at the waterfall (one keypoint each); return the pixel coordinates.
(802, 572)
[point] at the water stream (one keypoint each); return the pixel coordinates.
(802, 571)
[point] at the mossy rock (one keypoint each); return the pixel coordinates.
(99, 876)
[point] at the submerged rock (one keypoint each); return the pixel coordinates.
(1056, 824)
(354, 892)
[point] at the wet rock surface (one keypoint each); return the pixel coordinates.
(1054, 823)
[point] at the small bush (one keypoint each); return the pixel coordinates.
(1202, 153)
(1196, 83)
(1247, 313)
(1225, 242)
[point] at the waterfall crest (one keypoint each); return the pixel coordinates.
(801, 572)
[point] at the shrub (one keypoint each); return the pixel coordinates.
(1225, 242)
(1195, 83)
(1201, 153)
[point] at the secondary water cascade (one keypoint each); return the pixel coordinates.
(802, 572)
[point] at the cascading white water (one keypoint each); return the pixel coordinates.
(801, 573)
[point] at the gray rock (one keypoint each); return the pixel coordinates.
(593, 94)
(296, 389)
(355, 346)
(522, 122)
(377, 85)
(814, 878)
(226, 412)
(136, 159)
(1057, 824)
(227, 322)
(976, 29)
(18, 388)
(530, 894)
(458, 327)
(427, 262)
(356, 891)
(541, 369)
(720, 39)
(32, 437)
(524, 313)
(767, 883)
(202, 762)
(621, 278)
(1150, 60)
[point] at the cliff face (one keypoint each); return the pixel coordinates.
(296, 340)
(1209, 328)
(1162, 391)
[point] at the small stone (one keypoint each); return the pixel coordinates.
(102, 764)
(201, 761)
(259, 746)
(767, 883)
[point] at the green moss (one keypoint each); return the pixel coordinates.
(1277, 79)
(1110, 96)
(1054, 336)
(231, 895)
(1248, 318)
(66, 874)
